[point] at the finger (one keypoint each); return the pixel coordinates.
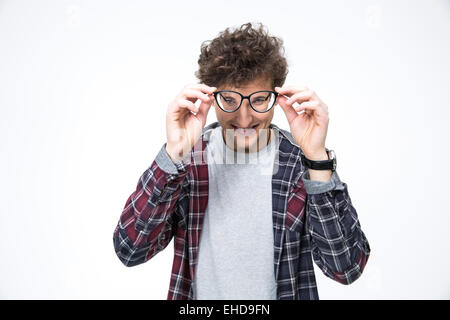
(202, 87)
(310, 107)
(194, 94)
(289, 111)
(290, 90)
(203, 110)
(300, 97)
(186, 104)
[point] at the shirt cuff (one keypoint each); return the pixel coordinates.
(316, 187)
(166, 163)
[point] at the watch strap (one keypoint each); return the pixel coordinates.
(329, 164)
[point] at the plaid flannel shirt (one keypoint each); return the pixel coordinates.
(312, 220)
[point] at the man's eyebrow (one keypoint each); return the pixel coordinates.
(240, 91)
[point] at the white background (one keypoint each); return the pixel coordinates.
(84, 86)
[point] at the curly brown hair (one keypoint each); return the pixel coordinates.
(240, 56)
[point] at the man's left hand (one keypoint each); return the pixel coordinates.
(309, 128)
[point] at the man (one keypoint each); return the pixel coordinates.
(249, 205)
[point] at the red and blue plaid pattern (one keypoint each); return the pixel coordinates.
(323, 227)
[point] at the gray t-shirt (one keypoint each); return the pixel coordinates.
(236, 254)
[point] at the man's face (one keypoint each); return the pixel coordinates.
(246, 129)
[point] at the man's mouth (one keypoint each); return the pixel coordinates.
(245, 131)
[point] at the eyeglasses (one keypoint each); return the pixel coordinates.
(260, 101)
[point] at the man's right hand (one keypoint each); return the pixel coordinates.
(184, 122)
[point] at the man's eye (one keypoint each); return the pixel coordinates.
(258, 101)
(229, 100)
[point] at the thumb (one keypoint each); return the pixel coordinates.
(291, 114)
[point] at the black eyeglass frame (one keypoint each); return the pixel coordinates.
(242, 99)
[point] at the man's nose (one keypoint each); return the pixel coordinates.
(244, 114)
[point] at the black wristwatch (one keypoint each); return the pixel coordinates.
(329, 164)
